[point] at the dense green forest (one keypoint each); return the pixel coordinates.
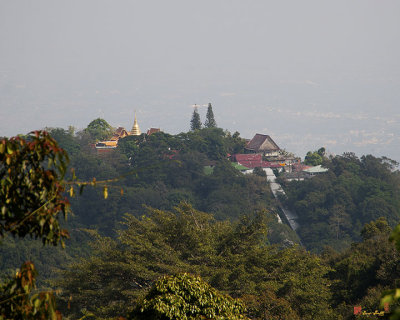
(333, 207)
(160, 171)
(154, 216)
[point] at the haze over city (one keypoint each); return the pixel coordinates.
(308, 73)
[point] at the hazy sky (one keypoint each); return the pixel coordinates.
(308, 73)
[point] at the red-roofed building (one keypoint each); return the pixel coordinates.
(152, 130)
(255, 160)
(119, 134)
(300, 166)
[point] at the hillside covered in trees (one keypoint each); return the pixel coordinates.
(333, 207)
(153, 214)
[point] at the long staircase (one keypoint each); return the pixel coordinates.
(276, 189)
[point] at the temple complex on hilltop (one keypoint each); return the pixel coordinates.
(120, 133)
(263, 152)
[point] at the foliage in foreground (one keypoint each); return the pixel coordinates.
(31, 193)
(233, 257)
(361, 273)
(392, 297)
(31, 197)
(186, 297)
(17, 300)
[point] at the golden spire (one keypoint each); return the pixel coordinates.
(135, 129)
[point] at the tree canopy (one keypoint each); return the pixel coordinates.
(195, 123)
(186, 297)
(315, 158)
(143, 260)
(99, 129)
(333, 207)
(232, 257)
(210, 120)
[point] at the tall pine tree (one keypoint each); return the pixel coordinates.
(210, 121)
(195, 123)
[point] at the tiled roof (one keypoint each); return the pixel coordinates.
(262, 142)
(152, 130)
(252, 161)
(300, 167)
(120, 131)
(248, 157)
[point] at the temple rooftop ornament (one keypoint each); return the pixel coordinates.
(135, 129)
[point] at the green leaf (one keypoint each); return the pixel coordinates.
(10, 149)
(105, 192)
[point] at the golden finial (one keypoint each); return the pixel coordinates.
(135, 129)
